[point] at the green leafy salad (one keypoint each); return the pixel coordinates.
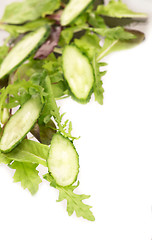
(54, 51)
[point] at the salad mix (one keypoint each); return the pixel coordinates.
(54, 51)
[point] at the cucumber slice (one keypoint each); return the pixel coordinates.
(78, 72)
(73, 10)
(63, 160)
(20, 124)
(23, 49)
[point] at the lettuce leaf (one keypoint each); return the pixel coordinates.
(88, 44)
(67, 34)
(29, 151)
(4, 159)
(74, 201)
(111, 45)
(114, 33)
(27, 174)
(96, 21)
(29, 10)
(15, 30)
(98, 84)
(48, 47)
(118, 9)
(24, 159)
(44, 132)
(52, 110)
(20, 92)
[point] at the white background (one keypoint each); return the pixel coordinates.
(115, 151)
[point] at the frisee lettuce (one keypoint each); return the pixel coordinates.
(74, 201)
(98, 84)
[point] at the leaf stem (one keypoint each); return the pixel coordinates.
(103, 53)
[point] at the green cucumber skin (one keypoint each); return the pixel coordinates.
(83, 10)
(79, 100)
(31, 53)
(20, 140)
(77, 159)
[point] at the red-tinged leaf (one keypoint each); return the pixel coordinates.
(55, 16)
(44, 132)
(50, 44)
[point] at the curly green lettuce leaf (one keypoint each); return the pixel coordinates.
(50, 107)
(67, 34)
(25, 158)
(19, 92)
(36, 70)
(53, 66)
(118, 9)
(59, 89)
(27, 174)
(29, 10)
(74, 201)
(52, 110)
(27, 71)
(98, 84)
(88, 44)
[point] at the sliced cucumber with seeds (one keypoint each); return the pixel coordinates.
(20, 124)
(23, 49)
(73, 10)
(78, 73)
(63, 160)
